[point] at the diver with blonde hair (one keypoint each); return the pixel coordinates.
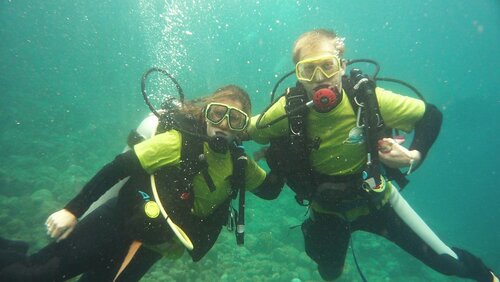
(329, 141)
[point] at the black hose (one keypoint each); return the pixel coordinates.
(354, 256)
(278, 84)
(145, 95)
(377, 66)
(403, 83)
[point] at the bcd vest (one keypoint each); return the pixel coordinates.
(289, 155)
(175, 190)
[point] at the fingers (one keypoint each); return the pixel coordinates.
(397, 157)
(384, 146)
(60, 224)
(53, 230)
(56, 232)
(50, 223)
(50, 220)
(49, 229)
(66, 234)
(59, 233)
(394, 146)
(396, 141)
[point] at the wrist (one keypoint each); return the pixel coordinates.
(71, 212)
(416, 156)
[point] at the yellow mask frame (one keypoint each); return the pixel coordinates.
(328, 65)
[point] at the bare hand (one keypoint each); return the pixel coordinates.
(60, 224)
(394, 155)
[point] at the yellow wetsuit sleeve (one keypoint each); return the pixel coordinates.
(278, 129)
(160, 150)
(401, 112)
(254, 175)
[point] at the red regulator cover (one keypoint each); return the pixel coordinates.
(325, 99)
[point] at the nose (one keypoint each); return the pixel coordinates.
(224, 124)
(318, 75)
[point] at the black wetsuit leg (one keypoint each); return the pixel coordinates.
(98, 240)
(387, 223)
(10, 257)
(142, 261)
(327, 237)
(326, 240)
(12, 251)
(13, 245)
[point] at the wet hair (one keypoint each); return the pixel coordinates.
(313, 39)
(195, 107)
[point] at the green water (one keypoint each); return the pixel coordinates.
(70, 93)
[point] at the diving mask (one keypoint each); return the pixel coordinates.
(236, 118)
(328, 65)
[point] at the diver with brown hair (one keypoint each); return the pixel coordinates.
(181, 183)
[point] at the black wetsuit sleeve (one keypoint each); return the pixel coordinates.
(426, 130)
(122, 166)
(270, 188)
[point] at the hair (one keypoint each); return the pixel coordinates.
(196, 106)
(313, 39)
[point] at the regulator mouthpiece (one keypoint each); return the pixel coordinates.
(218, 144)
(325, 99)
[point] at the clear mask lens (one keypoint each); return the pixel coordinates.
(237, 119)
(307, 69)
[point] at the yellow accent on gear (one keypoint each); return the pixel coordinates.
(164, 149)
(151, 209)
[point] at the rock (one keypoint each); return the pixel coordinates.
(42, 195)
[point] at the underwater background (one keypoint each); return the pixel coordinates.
(70, 93)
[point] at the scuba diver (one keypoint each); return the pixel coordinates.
(330, 139)
(178, 196)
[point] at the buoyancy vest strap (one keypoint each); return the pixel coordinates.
(134, 247)
(372, 124)
(238, 185)
(370, 113)
(183, 237)
(191, 149)
(294, 100)
(299, 145)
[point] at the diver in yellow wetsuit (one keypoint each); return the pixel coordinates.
(330, 154)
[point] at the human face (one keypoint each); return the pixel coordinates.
(325, 68)
(225, 118)
(217, 112)
(328, 65)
